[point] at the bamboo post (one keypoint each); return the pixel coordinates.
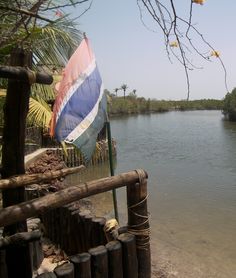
(63, 224)
(37, 254)
(73, 232)
(13, 147)
(98, 236)
(88, 230)
(82, 232)
(3, 267)
(115, 265)
(109, 139)
(76, 240)
(138, 224)
(57, 216)
(66, 228)
(129, 255)
(65, 271)
(82, 265)
(99, 262)
(34, 207)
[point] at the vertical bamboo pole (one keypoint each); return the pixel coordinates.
(112, 168)
(82, 265)
(129, 255)
(98, 236)
(138, 224)
(13, 148)
(99, 262)
(115, 266)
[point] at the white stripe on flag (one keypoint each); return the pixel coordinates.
(91, 67)
(87, 121)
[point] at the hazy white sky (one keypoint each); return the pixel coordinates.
(128, 53)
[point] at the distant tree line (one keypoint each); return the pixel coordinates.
(132, 104)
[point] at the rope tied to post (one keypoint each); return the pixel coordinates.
(142, 234)
(141, 230)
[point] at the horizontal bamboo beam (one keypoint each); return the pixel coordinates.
(24, 180)
(19, 239)
(24, 74)
(16, 213)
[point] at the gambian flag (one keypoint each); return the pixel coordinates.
(79, 111)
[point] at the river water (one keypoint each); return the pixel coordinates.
(191, 161)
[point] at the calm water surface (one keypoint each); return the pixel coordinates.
(191, 161)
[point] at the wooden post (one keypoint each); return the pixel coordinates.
(129, 255)
(98, 235)
(88, 230)
(99, 262)
(75, 231)
(72, 233)
(138, 224)
(82, 265)
(65, 271)
(3, 268)
(115, 266)
(15, 112)
(82, 231)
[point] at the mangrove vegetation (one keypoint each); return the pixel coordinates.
(139, 105)
(229, 107)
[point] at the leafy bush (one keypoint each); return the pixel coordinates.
(229, 108)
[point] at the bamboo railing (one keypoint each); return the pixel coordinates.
(138, 224)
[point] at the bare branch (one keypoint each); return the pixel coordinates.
(177, 34)
(25, 12)
(65, 5)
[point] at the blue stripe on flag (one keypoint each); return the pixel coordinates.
(79, 105)
(87, 141)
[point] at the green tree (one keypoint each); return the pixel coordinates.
(229, 108)
(51, 35)
(124, 87)
(116, 91)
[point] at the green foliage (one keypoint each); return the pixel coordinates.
(135, 105)
(52, 42)
(124, 87)
(39, 113)
(229, 108)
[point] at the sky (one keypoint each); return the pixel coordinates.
(128, 53)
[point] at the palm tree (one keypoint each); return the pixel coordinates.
(52, 42)
(124, 87)
(116, 90)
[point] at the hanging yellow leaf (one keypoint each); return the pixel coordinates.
(201, 2)
(215, 53)
(174, 44)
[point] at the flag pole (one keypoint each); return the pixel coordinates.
(108, 128)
